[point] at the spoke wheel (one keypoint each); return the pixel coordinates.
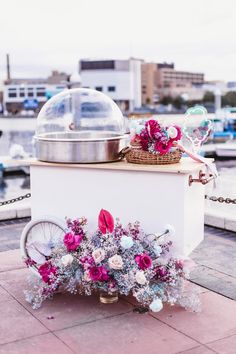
(38, 238)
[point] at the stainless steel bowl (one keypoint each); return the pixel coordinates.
(80, 147)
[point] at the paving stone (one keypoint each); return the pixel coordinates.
(18, 323)
(216, 262)
(10, 260)
(216, 321)
(4, 295)
(46, 343)
(10, 234)
(198, 350)
(15, 282)
(70, 310)
(128, 333)
(224, 346)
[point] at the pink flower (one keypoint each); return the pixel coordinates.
(177, 135)
(112, 285)
(72, 241)
(162, 272)
(98, 255)
(179, 264)
(87, 261)
(143, 261)
(46, 270)
(105, 221)
(98, 273)
(163, 148)
(152, 127)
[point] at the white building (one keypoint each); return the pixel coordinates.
(119, 79)
(30, 93)
(17, 97)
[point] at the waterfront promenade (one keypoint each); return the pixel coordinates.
(75, 324)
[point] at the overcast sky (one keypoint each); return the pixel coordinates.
(197, 35)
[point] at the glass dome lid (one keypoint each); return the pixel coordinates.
(80, 126)
(80, 113)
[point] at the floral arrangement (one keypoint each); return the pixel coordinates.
(156, 139)
(112, 260)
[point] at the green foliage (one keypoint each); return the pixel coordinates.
(229, 99)
(166, 100)
(178, 102)
(208, 97)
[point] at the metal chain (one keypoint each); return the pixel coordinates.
(13, 200)
(221, 199)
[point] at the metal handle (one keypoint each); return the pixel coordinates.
(201, 178)
(123, 152)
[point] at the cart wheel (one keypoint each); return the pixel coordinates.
(38, 239)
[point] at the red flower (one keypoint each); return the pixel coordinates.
(72, 241)
(143, 261)
(105, 222)
(144, 144)
(46, 270)
(163, 148)
(98, 273)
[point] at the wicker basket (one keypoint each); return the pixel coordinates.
(137, 155)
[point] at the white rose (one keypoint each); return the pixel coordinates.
(115, 262)
(126, 242)
(140, 278)
(172, 132)
(67, 259)
(156, 305)
(98, 255)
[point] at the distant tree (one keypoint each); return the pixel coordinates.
(166, 100)
(208, 97)
(178, 102)
(229, 99)
(192, 103)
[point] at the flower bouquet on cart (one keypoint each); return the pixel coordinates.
(154, 145)
(113, 261)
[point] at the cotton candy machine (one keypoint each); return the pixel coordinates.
(80, 126)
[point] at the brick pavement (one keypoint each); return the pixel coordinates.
(77, 324)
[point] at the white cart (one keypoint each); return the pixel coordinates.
(154, 195)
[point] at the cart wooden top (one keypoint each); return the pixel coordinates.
(185, 166)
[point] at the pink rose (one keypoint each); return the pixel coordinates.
(98, 273)
(98, 255)
(143, 261)
(72, 241)
(46, 270)
(162, 272)
(115, 262)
